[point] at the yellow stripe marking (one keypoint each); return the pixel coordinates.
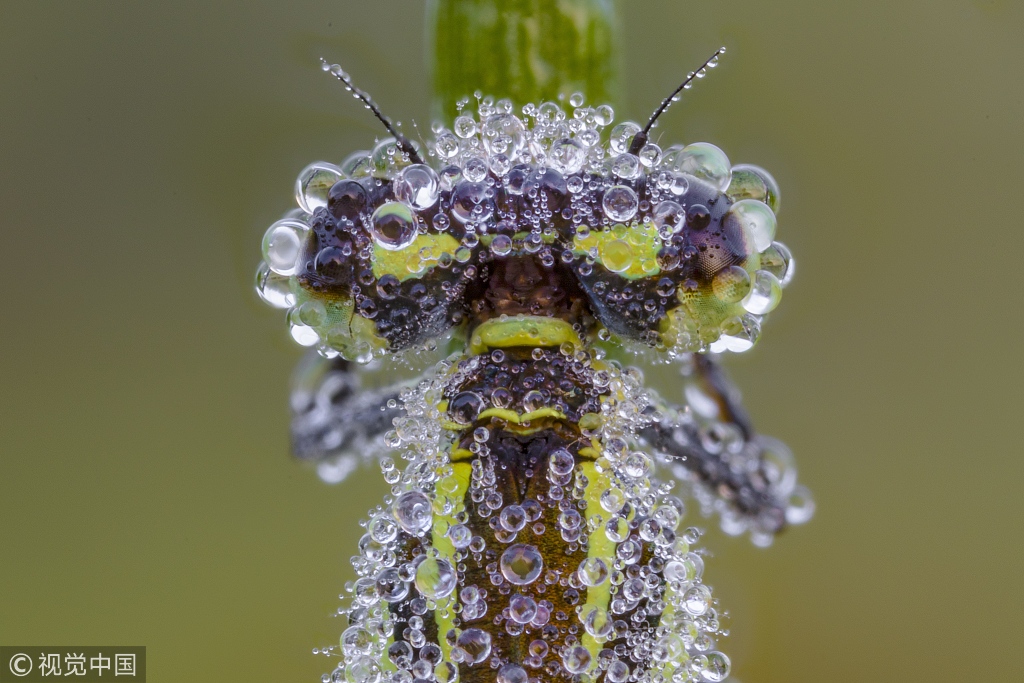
(461, 474)
(509, 416)
(599, 545)
(414, 260)
(522, 330)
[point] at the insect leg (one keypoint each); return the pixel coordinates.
(337, 422)
(748, 478)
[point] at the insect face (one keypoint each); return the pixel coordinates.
(673, 249)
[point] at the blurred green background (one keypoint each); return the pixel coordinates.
(146, 492)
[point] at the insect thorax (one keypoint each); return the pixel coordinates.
(525, 538)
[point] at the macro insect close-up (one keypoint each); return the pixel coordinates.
(511, 341)
(527, 534)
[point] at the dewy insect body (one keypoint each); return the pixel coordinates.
(528, 536)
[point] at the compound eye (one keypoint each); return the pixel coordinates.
(691, 271)
(347, 199)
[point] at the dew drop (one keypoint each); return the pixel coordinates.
(567, 156)
(619, 203)
(435, 578)
(521, 564)
(731, 284)
(593, 571)
(418, 186)
(576, 659)
(413, 512)
(393, 226)
(282, 245)
(474, 646)
(707, 162)
(522, 609)
(501, 245)
(512, 673)
(272, 288)
(765, 293)
(313, 184)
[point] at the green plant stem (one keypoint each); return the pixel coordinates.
(524, 50)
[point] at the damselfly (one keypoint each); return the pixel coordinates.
(535, 529)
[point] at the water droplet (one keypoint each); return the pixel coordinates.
(753, 182)
(650, 155)
(561, 462)
(618, 672)
(668, 217)
(413, 512)
(282, 244)
(567, 156)
(668, 649)
(622, 136)
(445, 672)
(765, 293)
(533, 400)
(716, 668)
(503, 134)
(472, 646)
(435, 578)
(576, 659)
(636, 465)
(513, 518)
(598, 622)
(362, 670)
(501, 245)
(390, 586)
(800, 506)
(521, 564)
(626, 166)
(757, 221)
(620, 203)
(465, 126)
(475, 169)
(400, 654)
(522, 609)
(470, 202)
(617, 529)
(460, 536)
(393, 226)
(707, 162)
(512, 673)
(731, 284)
(356, 640)
(697, 600)
(464, 408)
(313, 184)
(347, 199)
(357, 164)
(604, 115)
(272, 288)
(593, 571)
(698, 217)
(447, 145)
(418, 186)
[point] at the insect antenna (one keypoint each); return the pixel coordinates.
(640, 139)
(364, 97)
